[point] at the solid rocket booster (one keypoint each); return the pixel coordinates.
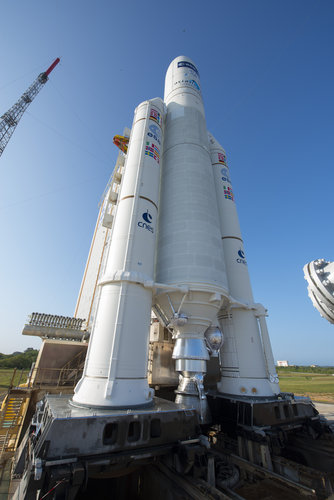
(189, 254)
(115, 373)
(247, 362)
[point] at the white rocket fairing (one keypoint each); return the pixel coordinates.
(200, 274)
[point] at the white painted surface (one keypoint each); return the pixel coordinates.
(247, 362)
(189, 250)
(87, 291)
(115, 373)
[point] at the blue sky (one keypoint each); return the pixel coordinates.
(267, 78)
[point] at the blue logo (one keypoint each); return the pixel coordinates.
(155, 130)
(147, 217)
(241, 259)
(225, 178)
(155, 133)
(187, 83)
(186, 64)
(194, 84)
(147, 221)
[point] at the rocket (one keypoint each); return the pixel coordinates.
(176, 247)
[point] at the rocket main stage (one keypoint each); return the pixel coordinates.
(176, 249)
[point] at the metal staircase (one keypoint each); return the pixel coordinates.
(16, 402)
(13, 411)
(72, 370)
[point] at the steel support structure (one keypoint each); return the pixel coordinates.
(11, 118)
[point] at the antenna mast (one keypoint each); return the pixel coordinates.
(11, 118)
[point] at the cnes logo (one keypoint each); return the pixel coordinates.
(147, 220)
(241, 259)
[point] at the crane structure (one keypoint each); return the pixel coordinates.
(11, 118)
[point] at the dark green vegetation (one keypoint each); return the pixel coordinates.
(14, 368)
(305, 369)
(20, 360)
(315, 382)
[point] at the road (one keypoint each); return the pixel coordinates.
(325, 409)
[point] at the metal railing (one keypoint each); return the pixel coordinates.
(53, 377)
(17, 399)
(53, 321)
(39, 378)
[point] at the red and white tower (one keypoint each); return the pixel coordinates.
(11, 118)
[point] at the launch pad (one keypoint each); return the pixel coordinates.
(65, 440)
(99, 431)
(76, 450)
(284, 411)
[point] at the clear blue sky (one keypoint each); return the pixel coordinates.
(267, 76)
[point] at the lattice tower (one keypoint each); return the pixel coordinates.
(11, 118)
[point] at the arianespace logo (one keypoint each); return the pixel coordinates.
(194, 84)
(146, 222)
(187, 83)
(241, 257)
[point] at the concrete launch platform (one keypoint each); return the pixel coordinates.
(78, 443)
(325, 409)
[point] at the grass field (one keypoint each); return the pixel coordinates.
(318, 386)
(6, 375)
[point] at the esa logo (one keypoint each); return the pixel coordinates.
(241, 259)
(225, 177)
(155, 133)
(147, 221)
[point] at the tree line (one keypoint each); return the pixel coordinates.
(20, 360)
(306, 369)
